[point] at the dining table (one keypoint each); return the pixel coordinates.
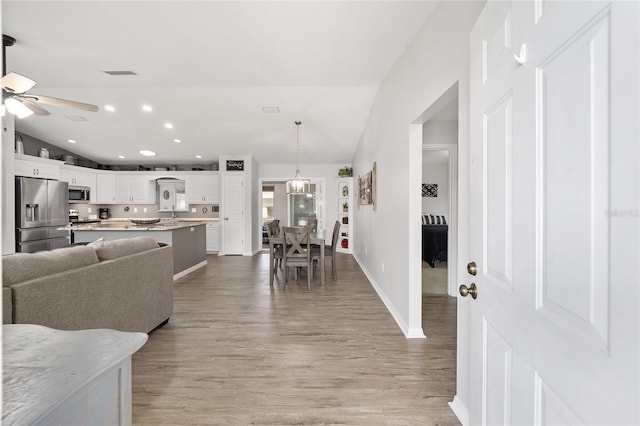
(315, 238)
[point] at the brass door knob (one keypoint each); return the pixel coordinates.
(472, 269)
(471, 290)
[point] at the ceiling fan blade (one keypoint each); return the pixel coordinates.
(61, 102)
(37, 110)
(17, 83)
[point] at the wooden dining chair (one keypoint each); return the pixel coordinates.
(297, 251)
(273, 228)
(329, 251)
(312, 224)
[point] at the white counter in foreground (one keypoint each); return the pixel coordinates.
(66, 377)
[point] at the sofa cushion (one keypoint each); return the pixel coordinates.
(20, 267)
(113, 249)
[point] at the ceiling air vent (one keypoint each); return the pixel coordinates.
(271, 110)
(120, 72)
(76, 118)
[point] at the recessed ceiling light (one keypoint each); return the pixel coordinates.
(271, 110)
(147, 108)
(72, 141)
(147, 153)
(177, 140)
(120, 156)
(168, 125)
(110, 108)
(198, 156)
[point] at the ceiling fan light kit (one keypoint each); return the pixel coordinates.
(22, 104)
(298, 185)
(17, 108)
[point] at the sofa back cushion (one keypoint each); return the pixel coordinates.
(20, 267)
(113, 249)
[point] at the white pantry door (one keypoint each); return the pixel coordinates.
(555, 233)
(233, 217)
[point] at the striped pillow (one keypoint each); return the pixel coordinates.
(431, 219)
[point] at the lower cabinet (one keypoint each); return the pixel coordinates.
(213, 237)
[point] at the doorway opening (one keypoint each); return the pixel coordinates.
(437, 164)
(434, 255)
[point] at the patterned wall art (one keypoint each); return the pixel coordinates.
(364, 189)
(429, 189)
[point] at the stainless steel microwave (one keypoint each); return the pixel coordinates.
(79, 194)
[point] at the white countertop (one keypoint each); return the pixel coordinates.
(127, 225)
(41, 366)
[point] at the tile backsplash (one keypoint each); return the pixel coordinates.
(138, 211)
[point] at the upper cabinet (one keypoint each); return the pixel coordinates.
(202, 189)
(105, 188)
(135, 189)
(78, 176)
(43, 168)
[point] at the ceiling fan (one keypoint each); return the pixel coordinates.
(22, 104)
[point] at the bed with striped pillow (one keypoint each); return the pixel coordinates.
(434, 238)
(433, 219)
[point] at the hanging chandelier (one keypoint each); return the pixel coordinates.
(298, 185)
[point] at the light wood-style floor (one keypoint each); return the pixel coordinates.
(239, 352)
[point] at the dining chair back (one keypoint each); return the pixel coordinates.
(297, 251)
(329, 251)
(273, 229)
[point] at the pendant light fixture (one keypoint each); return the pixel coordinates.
(298, 185)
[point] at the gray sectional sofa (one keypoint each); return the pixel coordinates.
(125, 285)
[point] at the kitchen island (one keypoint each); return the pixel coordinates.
(188, 239)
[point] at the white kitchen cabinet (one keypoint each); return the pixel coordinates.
(105, 188)
(30, 166)
(135, 189)
(79, 176)
(213, 237)
(202, 189)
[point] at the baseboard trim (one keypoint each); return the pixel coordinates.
(409, 333)
(460, 410)
(189, 270)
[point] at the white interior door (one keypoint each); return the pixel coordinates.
(233, 214)
(555, 330)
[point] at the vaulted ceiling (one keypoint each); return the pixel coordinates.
(209, 68)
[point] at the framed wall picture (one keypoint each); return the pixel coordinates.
(374, 185)
(235, 165)
(429, 189)
(364, 188)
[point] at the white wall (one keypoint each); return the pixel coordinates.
(438, 174)
(280, 202)
(385, 240)
(436, 132)
(7, 213)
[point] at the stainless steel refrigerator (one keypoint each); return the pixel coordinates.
(42, 207)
